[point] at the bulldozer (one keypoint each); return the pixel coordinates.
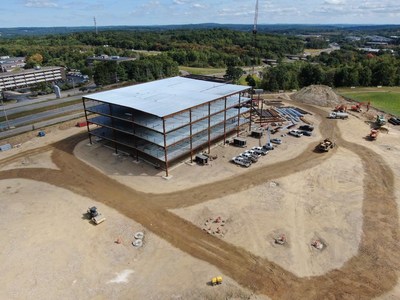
(325, 145)
(95, 216)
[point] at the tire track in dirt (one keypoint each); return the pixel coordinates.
(367, 275)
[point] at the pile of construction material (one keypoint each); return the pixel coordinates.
(320, 95)
(215, 226)
(138, 241)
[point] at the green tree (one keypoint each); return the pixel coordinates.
(233, 73)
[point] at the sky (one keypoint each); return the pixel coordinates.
(54, 13)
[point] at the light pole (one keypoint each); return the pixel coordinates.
(4, 110)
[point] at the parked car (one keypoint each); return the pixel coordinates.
(268, 146)
(394, 121)
(276, 141)
(249, 156)
(254, 152)
(306, 127)
(260, 150)
(241, 161)
(305, 132)
(295, 133)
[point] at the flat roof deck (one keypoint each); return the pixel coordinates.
(167, 96)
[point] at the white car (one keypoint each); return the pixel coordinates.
(249, 156)
(276, 141)
(241, 161)
(260, 150)
(295, 133)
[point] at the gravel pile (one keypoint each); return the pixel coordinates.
(320, 95)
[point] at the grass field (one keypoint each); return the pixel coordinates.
(385, 98)
(203, 71)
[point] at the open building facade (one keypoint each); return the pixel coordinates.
(166, 120)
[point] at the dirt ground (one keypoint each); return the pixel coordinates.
(347, 198)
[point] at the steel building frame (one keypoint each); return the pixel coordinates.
(162, 140)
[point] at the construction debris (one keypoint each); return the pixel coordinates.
(317, 244)
(215, 226)
(281, 239)
(138, 242)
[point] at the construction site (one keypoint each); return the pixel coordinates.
(315, 215)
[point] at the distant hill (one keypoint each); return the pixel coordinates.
(271, 28)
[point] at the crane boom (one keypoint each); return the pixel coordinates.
(255, 19)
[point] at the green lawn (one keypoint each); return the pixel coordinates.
(385, 98)
(203, 71)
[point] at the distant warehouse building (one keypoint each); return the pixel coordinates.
(166, 120)
(14, 80)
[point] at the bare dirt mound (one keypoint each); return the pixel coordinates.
(320, 95)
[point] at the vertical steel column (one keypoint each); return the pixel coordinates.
(262, 106)
(113, 126)
(251, 111)
(134, 136)
(86, 118)
(165, 149)
(191, 133)
(238, 121)
(225, 122)
(209, 125)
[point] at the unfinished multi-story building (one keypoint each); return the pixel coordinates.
(166, 120)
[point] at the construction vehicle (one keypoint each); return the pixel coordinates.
(325, 145)
(380, 120)
(357, 107)
(338, 115)
(95, 216)
(373, 135)
(340, 108)
(216, 280)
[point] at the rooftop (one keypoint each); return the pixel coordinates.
(167, 96)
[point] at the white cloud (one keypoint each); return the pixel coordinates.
(335, 2)
(198, 5)
(40, 3)
(179, 2)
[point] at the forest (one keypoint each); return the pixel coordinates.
(160, 52)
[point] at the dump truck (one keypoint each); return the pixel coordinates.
(373, 135)
(325, 145)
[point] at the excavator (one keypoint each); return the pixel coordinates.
(357, 107)
(340, 108)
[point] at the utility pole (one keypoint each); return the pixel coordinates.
(4, 110)
(255, 35)
(95, 24)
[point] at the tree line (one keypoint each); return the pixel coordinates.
(341, 68)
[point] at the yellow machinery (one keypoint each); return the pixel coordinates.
(216, 280)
